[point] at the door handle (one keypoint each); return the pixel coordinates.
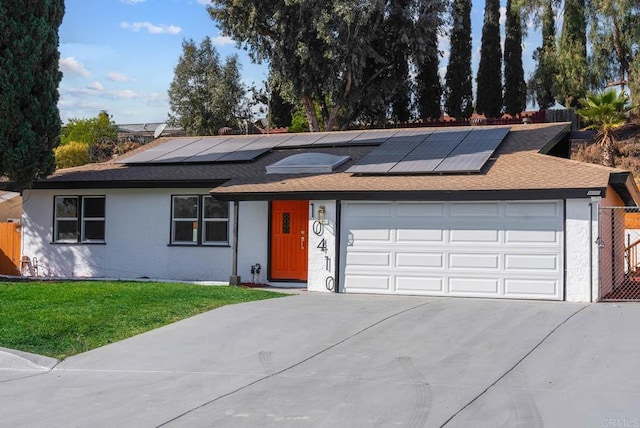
(302, 242)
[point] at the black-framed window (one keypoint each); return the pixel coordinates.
(79, 219)
(199, 220)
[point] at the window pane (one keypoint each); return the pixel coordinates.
(185, 206)
(185, 231)
(216, 231)
(66, 230)
(215, 209)
(93, 207)
(94, 230)
(66, 207)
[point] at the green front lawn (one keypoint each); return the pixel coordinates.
(59, 319)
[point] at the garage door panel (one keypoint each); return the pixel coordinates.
(502, 249)
(420, 260)
(547, 210)
(367, 282)
(419, 235)
(475, 210)
(531, 288)
(532, 262)
(422, 210)
(474, 286)
(474, 261)
(420, 284)
(357, 259)
(532, 237)
(471, 235)
(368, 209)
(367, 236)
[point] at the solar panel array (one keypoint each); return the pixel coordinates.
(419, 150)
(440, 151)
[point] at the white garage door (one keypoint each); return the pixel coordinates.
(510, 249)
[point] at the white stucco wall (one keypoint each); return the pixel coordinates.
(253, 240)
(322, 262)
(579, 261)
(137, 239)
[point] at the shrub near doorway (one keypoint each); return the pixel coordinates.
(59, 319)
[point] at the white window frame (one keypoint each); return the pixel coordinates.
(80, 220)
(200, 221)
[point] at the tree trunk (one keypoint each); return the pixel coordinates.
(310, 111)
(608, 152)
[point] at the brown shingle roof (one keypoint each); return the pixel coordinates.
(517, 165)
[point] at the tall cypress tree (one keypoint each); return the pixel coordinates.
(541, 85)
(458, 88)
(489, 80)
(427, 58)
(29, 78)
(572, 78)
(515, 88)
(398, 30)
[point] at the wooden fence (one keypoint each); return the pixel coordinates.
(10, 240)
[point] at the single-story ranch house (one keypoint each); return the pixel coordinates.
(481, 211)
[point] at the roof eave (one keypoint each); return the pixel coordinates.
(413, 195)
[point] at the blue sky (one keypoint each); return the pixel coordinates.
(119, 55)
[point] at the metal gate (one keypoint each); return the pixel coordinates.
(619, 242)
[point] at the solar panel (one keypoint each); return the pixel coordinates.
(426, 156)
(302, 140)
(373, 137)
(469, 156)
(337, 138)
(230, 145)
(411, 135)
(375, 164)
(159, 150)
(441, 151)
(190, 150)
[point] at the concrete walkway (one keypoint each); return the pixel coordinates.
(327, 360)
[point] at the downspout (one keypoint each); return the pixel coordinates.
(235, 278)
(338, 254)
(591, 252)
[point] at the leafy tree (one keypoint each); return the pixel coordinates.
(515, 88)
(100, 134)
(489, 90)
(74, 153)
(427, 59)
(29, 78)
(458, 89)
(615, 39)
(90, 131)
(605, 112)
(399, 32)
(321, 47)
(572, 77)
(205, 94)
(541, 85)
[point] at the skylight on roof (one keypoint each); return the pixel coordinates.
(307, 163)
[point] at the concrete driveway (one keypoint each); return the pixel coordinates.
(327, 360)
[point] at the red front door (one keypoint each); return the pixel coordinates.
(289, 227)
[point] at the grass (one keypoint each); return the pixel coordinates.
(59, 319)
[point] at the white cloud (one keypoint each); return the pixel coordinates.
(204, 2)
(503, 15)
(126, 94)
(151, 28)
(96, 86)
(119, 77)
(222, 40)
(72, 66)
(133, 1)
(156, 98)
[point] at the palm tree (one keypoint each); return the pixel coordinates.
(605, 112)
